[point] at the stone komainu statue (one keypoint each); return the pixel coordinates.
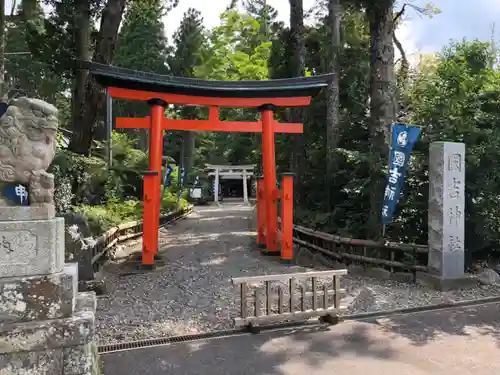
(28, 141)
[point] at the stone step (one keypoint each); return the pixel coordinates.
(58, 347)
(31, 298)
(31, 247)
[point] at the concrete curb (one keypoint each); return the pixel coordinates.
(421, 309)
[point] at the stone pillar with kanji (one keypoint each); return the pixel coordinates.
(446, 213)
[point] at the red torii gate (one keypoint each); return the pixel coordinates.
(159, 90)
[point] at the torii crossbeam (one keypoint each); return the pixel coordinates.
(160, 90)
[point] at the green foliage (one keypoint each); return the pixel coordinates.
(453, 95)
(76, 178)
(142, 45)
(235, 52)
(458, 101)
(23, 72)
(105, 216)
(189, 44)
(106, 196)
(113, 212)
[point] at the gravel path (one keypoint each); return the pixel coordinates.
(193, 293)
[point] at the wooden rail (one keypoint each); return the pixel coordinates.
(348, 250)
(118, 234)
(361, 251)
(289, 297)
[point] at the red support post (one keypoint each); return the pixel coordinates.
(261, 213)
(287, 217)
(269, 164)
(152, 184)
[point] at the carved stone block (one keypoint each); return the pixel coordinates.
(56, 347)
(76, 330)
(446, 209)
(36, 298)
(31, 247)
(32, 363)
(81, 360)
(72, 270)
(35, 212)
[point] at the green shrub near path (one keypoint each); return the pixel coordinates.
(107, 196)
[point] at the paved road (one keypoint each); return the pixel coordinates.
(461, 341)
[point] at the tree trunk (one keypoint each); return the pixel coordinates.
(405, 65)
(401, 80)
(332, 98)
(83, 127)
(188, 137)
(28, 9)
(188, 142)
(298, 49)
(82, 44)
(143, 136)
(382, 105)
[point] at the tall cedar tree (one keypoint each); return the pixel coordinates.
(142, 45)
(189, 40)
(383, 101)
(298, 51)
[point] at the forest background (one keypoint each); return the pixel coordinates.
(340, 160)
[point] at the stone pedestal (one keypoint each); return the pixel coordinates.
(31, 247)
(446, 214)
(46, 326)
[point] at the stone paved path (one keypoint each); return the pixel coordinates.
(460, 341)
(193, 293)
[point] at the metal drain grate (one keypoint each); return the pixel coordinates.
(131, 345)
(147, 343)
(102, 349)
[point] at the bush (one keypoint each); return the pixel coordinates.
(102, 217)
(106, 196)
(76, 179)
(107, 215)
(88, 180)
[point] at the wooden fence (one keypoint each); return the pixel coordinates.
(390, 255)
(289, 297)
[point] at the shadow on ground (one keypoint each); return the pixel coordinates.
(422, 328)
(460, 341)
(257, 354)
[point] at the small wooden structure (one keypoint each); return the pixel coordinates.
(243, 172)
(262, 304)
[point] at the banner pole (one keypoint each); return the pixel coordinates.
(390, 148)
(388, 165)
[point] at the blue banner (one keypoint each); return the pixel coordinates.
(168, 177)
(403, 139)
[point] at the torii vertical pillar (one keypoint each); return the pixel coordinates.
(152, 183)
(269, 165)
(245, 187)
(216, 186)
